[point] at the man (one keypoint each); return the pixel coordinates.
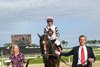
(83, 55)
(52, 31)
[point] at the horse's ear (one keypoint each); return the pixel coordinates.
(39, 35)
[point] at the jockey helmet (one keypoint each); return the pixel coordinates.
(49, 19)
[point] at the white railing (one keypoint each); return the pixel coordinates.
(3, 59)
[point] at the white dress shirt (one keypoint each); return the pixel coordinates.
(79, 54)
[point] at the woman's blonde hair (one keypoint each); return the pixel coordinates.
(12, 48)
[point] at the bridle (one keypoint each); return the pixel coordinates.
(47, 46)
(51, 45)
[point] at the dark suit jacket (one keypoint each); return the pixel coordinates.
(74, 52)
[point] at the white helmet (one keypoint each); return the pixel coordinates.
(49, 19)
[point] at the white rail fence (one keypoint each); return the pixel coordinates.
(3, 59)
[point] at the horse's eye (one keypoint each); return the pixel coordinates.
(43, 42)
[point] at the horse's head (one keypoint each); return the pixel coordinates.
(44, 45)
(47, 49)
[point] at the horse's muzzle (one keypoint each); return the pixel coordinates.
(45, 55)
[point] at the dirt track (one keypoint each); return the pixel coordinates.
(96, 64)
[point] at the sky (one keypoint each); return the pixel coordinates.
(72, 17)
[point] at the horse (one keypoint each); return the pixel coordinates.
(48, 48)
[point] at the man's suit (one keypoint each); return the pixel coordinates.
(75, 51)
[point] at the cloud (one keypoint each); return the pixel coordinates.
(21, 16)
(24, 9)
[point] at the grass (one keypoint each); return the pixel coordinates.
(98, 58)
(36, 61)
(66, 59)
(39, 60)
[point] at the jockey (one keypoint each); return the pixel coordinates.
(52, 31)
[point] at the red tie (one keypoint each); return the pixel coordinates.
(82, 56)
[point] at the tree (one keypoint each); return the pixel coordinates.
(65, 43)
(89, 42)
(99, 43)
(7, 45)
(35, 45)
(93, 42)
(21, 44)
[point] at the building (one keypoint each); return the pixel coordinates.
(21, 40)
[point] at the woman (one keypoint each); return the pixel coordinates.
(17, 58)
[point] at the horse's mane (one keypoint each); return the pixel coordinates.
(44, 37)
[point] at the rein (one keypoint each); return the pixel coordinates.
(55, 54)
(27, 62)
(65, 62)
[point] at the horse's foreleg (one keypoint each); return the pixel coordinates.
(46, 65)
(58, 63)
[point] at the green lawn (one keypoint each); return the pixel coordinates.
(36, 61)
(39, 60)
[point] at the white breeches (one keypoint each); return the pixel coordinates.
(57, 42)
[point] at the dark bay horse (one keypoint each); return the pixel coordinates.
(50, 59)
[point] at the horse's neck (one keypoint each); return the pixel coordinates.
(45, 36)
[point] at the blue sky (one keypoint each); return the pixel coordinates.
(72, 17)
